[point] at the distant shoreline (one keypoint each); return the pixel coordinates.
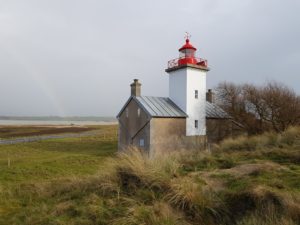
(57, 121)
(60, 118)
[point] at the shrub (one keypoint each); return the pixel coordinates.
(240, 143)
(290, 136)
(272, 139)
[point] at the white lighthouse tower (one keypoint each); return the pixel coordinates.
(187, 87)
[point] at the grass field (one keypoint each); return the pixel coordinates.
(242, 181)
(38, 163)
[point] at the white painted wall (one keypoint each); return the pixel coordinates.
(178, 88)
(182, 85)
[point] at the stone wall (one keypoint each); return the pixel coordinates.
(165, 134)
(133, 126)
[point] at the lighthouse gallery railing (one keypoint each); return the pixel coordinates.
(174, 62)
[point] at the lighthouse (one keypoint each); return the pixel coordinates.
(187, 119)
(187, 87)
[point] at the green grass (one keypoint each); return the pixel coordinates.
(48, 159)
(29, 165)
(245, 181)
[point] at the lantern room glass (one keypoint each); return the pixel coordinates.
(187, 53)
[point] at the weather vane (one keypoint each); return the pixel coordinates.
(187, 35)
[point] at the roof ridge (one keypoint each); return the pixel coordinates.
(152, 96)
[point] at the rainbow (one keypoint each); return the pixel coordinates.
(38, 78)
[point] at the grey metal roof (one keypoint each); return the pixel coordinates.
(165, 107)
(214, 111)
(160, 107)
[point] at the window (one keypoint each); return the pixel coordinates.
(187, 53)
(139, 112)
(196, 94)
(142, 142)
(196, 123)
(127, 113)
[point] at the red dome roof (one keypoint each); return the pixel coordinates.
(187, 45)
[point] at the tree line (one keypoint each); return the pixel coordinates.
(269, 107)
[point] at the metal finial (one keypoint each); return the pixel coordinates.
(187, 36)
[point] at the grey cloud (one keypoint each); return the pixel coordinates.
(74, 57)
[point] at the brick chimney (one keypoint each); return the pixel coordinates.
(210, 96)
(136, 88)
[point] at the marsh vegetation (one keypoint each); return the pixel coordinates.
(243, 181)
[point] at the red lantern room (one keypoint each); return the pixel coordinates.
(187, 56)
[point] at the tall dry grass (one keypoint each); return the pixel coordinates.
(268, 140)
(160, 213)
(172, 188)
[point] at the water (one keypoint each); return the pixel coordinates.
(55, 122)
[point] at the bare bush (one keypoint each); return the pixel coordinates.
(273, 106)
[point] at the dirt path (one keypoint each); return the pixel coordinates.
(46, 137)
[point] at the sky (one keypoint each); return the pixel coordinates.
(78, 57)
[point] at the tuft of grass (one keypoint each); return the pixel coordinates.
(253, 199)
(268, 216)
(159, 213)
(289, 137)
(134, 169)
(270, 207)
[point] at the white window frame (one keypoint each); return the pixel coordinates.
(142, 142)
